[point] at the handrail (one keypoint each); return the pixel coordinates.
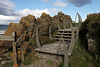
(23, 34)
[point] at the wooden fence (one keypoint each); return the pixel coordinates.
(20, 39)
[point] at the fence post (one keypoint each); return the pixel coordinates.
(58, 24)
(14, 50)
(66, 59)
(37, 36)
(64, 23)
(50, 36)
(22, 54)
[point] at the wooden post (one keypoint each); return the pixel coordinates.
(58, 24)
(14, 50)
(64, 23)
(50, 36)
(66, 60)
(72, 40)
(37, 36)
(22, 54)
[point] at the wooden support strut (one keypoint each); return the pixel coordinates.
(14, 50)
(66, 59)
(22, 54)
(58, 24)
(64, 23)
(50, 36)
(37, 36)
(72, 41)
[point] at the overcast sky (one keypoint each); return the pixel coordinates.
(13, 10)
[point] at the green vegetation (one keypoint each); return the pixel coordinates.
(30, 58)
(91, 26)
(8, 65)
(49, 62)
(81, 58)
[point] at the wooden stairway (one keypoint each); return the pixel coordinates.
(51, 50)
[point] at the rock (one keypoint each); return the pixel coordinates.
(2, 57)
(14, 27)
(91, 27)
(25, 22)
(5, 62)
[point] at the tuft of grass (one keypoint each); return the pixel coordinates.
(60, 65)
(30, 59)
(49, 62)
(8, 65)
(81, 57)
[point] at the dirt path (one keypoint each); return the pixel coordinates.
(44, 63)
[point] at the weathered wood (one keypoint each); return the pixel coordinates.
(37, 36)
(15, 53)
(66, 60)
(50, 36)
(72, 41)
(6, 38)
(14, 48)
(64, 23)
(22, 54)
(58, 25)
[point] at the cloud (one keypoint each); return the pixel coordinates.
(35, 12)
(79, 3)
(60, 4)
(8, 14)
(53, 11)
(6, 8)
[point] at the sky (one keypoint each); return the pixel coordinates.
(13, 10)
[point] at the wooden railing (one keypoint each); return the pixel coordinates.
(65, 23)
(13, 39)
(68, 51)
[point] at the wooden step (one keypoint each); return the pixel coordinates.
(69, 29)
(63, 36)
(64, 33)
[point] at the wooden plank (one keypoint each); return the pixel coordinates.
(6, 38)
(63, 38)
(15, 53)
(66, 59)
(68, 29)
(50, 36)
(64, 33)
(37, 36)
(60, 36)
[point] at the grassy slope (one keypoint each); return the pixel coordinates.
(81, 58)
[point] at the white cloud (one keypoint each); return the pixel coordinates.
(60, 4)
(6, 8)
(37, 13)
(53, 11)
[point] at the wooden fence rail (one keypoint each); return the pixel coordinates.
(36, 36)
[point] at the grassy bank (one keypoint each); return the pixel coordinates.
(82, 58)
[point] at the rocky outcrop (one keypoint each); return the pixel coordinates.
(91, 27)
(44, 23)
(14, 27)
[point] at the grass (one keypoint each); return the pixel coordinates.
(30, 59)
(49, 62)
(81, 58)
